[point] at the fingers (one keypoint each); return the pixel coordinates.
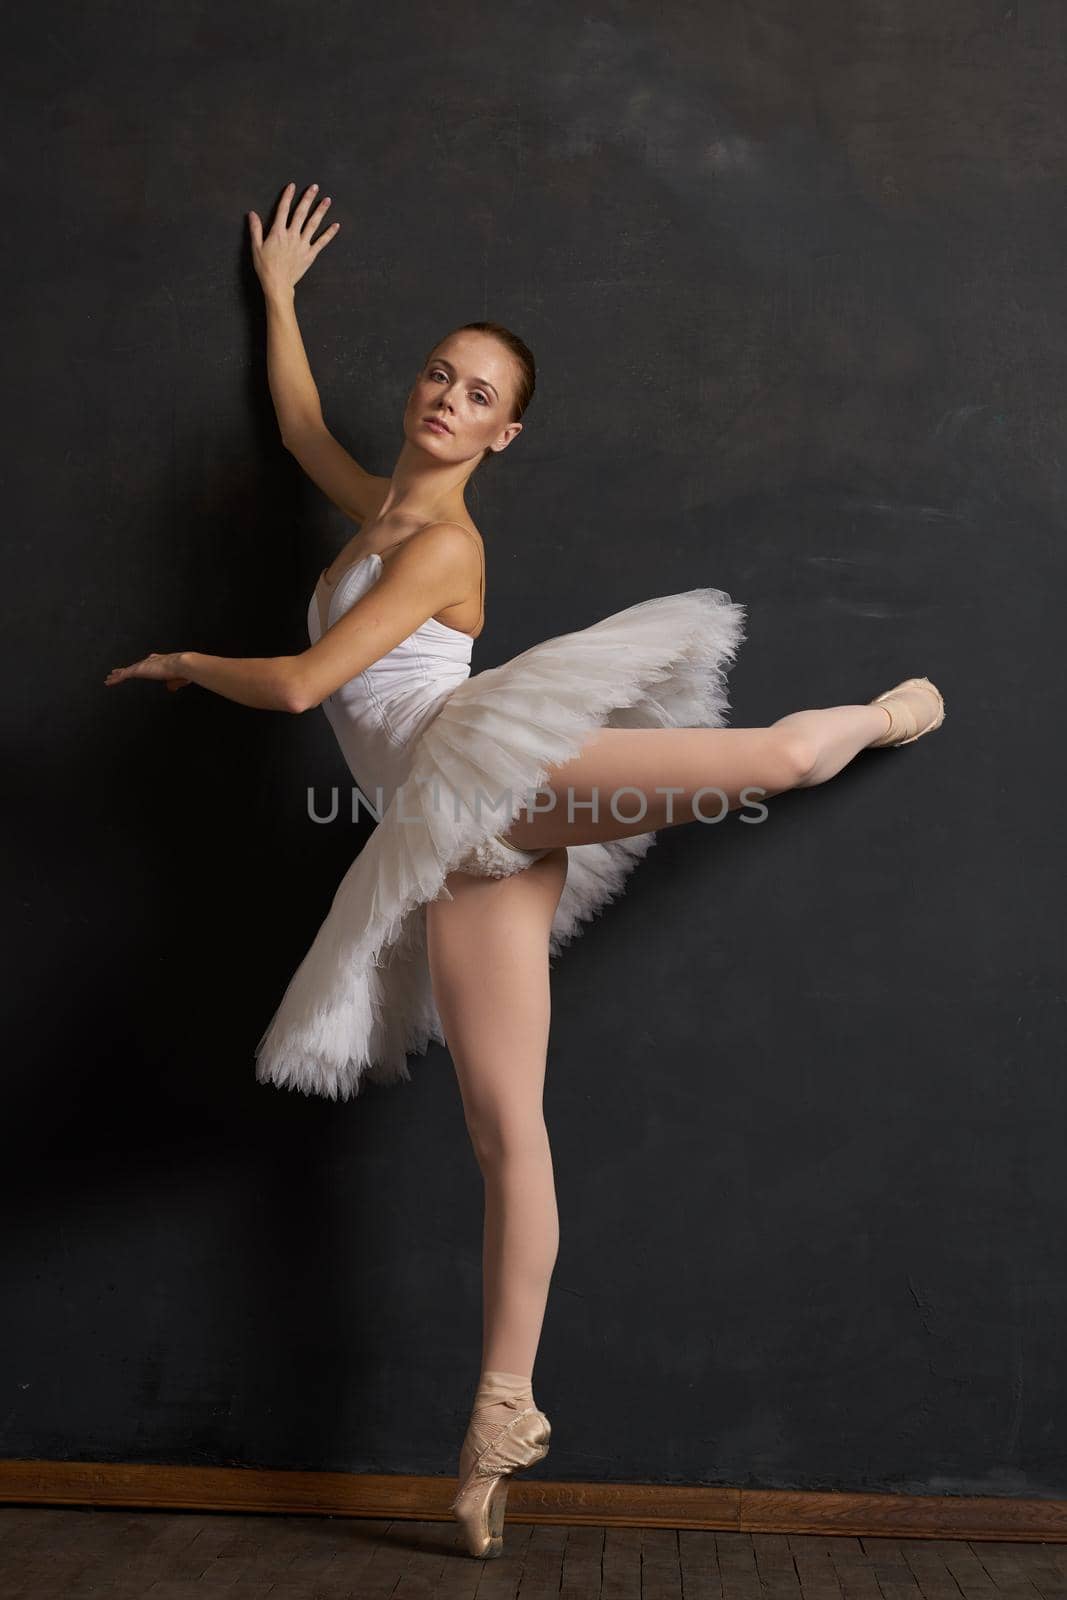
(300, 222)
(304, 202)
(317, 216)
(286, 201)
(129, 674)
(325, 238)
(147, 667)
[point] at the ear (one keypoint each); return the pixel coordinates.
(512, 431)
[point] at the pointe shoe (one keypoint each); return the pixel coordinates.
(906, 724)
(507, 1449)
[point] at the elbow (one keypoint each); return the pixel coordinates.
(294, 695)
(297, 703)
(296, 433)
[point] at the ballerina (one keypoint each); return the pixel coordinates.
(446, 923)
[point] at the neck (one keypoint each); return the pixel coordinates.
(424, 490)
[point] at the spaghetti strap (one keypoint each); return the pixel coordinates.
(481, 590)
(481, 575)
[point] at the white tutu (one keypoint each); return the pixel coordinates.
(361, 1000)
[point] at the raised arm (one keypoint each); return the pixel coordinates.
(281, 258)
(354, 491)
(432, 569)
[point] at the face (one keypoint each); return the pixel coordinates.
(469, 383)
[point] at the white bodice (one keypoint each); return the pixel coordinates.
(378, 715)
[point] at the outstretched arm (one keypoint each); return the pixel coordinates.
(434, 568)
(266, 683)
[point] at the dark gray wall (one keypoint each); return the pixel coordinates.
(794, 276)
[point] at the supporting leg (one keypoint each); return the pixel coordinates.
(488, 954)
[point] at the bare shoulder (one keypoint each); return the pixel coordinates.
(456, 543)
(446, 561)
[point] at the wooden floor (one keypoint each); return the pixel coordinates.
(64, 1554)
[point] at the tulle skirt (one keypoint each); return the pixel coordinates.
(361, 1001)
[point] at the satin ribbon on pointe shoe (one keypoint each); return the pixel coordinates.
(509, 1446)
(905, 723)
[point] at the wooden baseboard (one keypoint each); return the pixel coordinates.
(631, 1505)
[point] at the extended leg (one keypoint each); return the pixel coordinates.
(746, 766)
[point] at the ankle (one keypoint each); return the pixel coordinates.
(496, 1388)
(498, 1398)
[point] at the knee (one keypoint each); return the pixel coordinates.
(498, 1143)
(796, 756)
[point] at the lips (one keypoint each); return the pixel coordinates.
(436, 422)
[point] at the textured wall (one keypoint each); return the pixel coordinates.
(794, 279)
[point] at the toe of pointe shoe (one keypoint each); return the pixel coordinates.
(479, 1510)
(903, 724)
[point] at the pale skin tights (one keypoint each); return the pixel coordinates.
(488, 956)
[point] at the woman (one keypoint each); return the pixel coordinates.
(444, 926)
